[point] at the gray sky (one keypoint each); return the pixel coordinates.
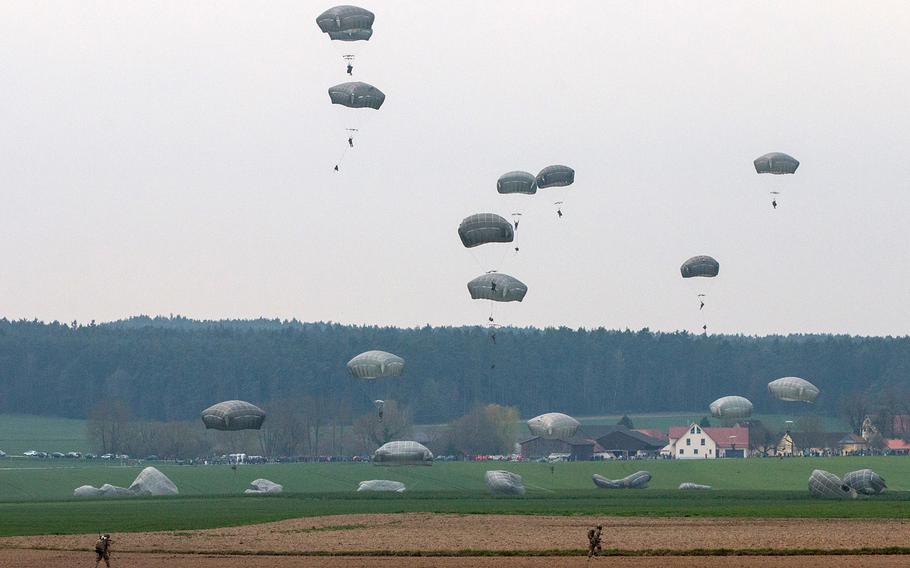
(175, 157)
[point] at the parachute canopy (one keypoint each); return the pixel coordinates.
(484, 228)
(508, 289)
(555, 176)
(346, 23)
(263, 487)
(701, 265)
(826, 485)
(356, 95)
(865, 481)
(375, 364)
(793, 389)
(233, 415)
(403, 453)
(517, 182)
(776, 163)
(553, 425)
(693, 486)
(504, 482)
(379, 404)
(381, 485)
(638, 480)
(731, 407)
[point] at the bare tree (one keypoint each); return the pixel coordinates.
(854, 408)
(108, 424)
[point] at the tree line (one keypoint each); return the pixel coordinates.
(169, 369)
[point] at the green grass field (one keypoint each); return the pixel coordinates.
(36, 499)
(20, 433)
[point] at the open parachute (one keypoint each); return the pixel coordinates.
(555, 176)
(356, 94)
(501, 482)
(497, 287)
(403, 453)
(776, 163)
(517, 182)
(375, 364)
(484, 228)
(347, 23)
(553, 425)
(793, 389)
(731, 407)
(700, 266)
(233, 415)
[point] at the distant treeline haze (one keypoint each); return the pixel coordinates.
(169, 369)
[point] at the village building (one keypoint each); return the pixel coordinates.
(696, 442)
(821, 444)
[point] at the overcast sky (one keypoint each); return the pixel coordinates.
(176, 157)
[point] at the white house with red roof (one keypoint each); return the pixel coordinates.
(696, 443)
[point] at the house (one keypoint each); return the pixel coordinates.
(695, 442)
(623, 441)
(820, 444)
(577, 447)
(900, 425)
(897, 446)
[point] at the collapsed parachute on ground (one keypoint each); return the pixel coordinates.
(375, 364)
(502, 482)
(233, 415)
(793, 389)
(484, 228)
(776, 163)
(826, 485)
(263, 487)
(553, 425)
(555, 176)
(865, 481)
(347, 23)
(506, 289)
(693, 486)
(731, 407)
(700, 266)
(638, 480)
(357, 95)
(403, 453)
(381, 485)
(150, 481)
(517, 182)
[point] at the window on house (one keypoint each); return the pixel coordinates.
(709, 452)
(695, 451)
(702, 441)
(688, 441)
(692, 430)
(697, 430)
(681, 451)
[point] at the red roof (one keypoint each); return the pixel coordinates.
(721, 436)
(653, 432)
(897, 444)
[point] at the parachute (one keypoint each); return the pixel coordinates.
(553, 425)
(263, 487)
(347, 23)
(484, 228)
(233, 415)
(638, 480)
(702, 265)
(731, 407)
(506, 289)
(865, 481)
(375, 364)
(517, 182)
(403, 453)
(793, 389)
(379, 404)
(356, 95)
(555, 176)
(381, 485)
(826, 485)
(776, 163)
(504, 482)
(693, 486)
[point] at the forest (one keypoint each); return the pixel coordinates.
(170, 368)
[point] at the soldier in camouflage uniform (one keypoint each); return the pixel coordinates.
(102, 550)
(594, 541)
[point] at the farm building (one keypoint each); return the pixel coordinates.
(694, 442)
(821, 444)
(577, 448)
(619, 440)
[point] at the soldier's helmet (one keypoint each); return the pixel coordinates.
(599, 527)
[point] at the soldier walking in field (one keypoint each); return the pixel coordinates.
(594, 541)
(102, 550)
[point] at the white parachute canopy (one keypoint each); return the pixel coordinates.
(150, 481)
(403, 453)
(502, 482)
(381, 485)
(731, 407)
(826, 485)
(793, 389)
(865, 481)
(689, 486)
(263, 486)
(553, 426)
(638, 480)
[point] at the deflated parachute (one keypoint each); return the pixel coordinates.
(497, 287)
(375, 364)
(484, 228)
(403, 453)
(553, 425)
(263, 487)
(776, 163)
(826, 485)
(731, 407)
(381, 485)
(555, 176)
(793, 389)
(693, 486)
(702, 265)
(517, 182)
(357, 95)
(504, 482)
(865, 481)
(233, 415)
(638, 480)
